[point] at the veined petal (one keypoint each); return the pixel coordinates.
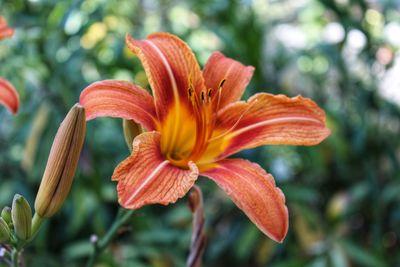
(8, 96)
(236, 75)
(5, 31)
(169, 63)
(146, 177)
(119, 99)
(255, 193)
(267, 119)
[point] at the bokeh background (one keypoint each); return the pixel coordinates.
(343, 195)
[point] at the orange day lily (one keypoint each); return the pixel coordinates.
(5, 31)
(8, 95)
(194, 121)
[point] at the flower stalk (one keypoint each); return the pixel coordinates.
(36, 222)
(15, 258)
(198, 237)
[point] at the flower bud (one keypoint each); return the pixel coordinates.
(4, 231)
(131, 130)
(6, 214)
(21, 214)
(62, 162)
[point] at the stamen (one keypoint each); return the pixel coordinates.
(203, 108)
(191, 92)
(190, 79)
(221, 84)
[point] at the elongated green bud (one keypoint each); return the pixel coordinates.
(61, 164)
(21, 214)
(6, 214)
(4, 231)
(131, 130)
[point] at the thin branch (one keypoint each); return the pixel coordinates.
(100, 245)
(15, 258)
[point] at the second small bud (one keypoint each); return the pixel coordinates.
(21, 214)
(131, 130)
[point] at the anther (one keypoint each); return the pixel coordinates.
(209, 92)
(221, 83)
(202, 96)
(190, 79)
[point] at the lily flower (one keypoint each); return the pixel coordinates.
(194, 121)
(5, 31)
(8, 95)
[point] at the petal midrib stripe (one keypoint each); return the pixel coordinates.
(268, 122)
(147, 180)
(174, 88)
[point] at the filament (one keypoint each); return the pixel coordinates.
(235, 124)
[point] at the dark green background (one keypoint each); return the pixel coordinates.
(343, 195)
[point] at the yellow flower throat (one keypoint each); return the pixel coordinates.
(188, 130)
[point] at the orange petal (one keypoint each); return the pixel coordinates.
(119, 99)
(146, 177)
(255, 193)
(5, 31)
(236, 75)
(168, 63)
(267, 119)
(8, 96)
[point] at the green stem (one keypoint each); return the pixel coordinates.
(36, 223)
(122, 217)
(14, 258)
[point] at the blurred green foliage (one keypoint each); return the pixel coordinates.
(343, 195)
